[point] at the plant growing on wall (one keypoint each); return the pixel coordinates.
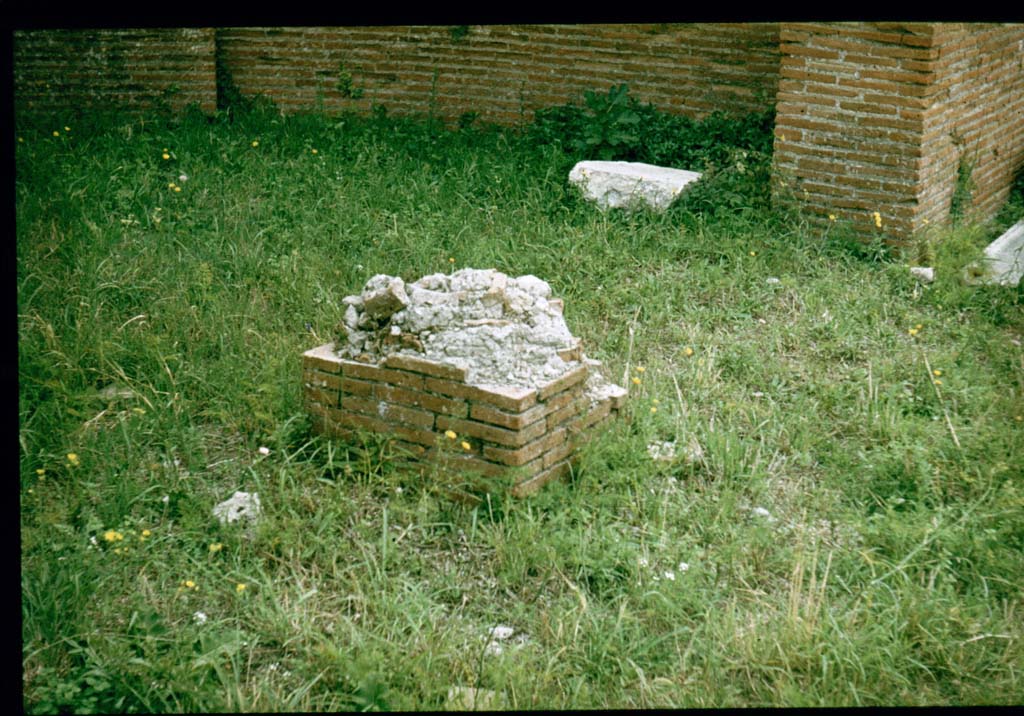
(963, 190)
(346, 85)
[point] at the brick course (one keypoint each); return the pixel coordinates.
(525, 436)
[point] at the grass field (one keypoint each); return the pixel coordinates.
(852, 534)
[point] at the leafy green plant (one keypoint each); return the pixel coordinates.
(346, 84)
(610, 128)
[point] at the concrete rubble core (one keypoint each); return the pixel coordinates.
(502, 331)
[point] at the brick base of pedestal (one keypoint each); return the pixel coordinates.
(525, 435)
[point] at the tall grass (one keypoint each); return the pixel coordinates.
(851, 533)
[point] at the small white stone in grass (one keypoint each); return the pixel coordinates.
(264, 451)
(924, 274)
(762, 512)
(663, 451)
(240, 505)
(465, 698)
(502, 632)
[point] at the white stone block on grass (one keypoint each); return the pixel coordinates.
(629, 185)
(1004, 257)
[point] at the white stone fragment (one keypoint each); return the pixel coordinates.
(924, 274)
(467, 698)
(663, 451)
(502, 632)
(628, 185)
(383, 295)
(763, 513)
(240, 506)
(1004, 257)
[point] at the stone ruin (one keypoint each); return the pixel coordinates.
(475, 354)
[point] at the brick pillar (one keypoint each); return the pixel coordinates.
(878, 116)
(850, 120)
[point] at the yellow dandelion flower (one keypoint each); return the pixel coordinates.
(640, 369)
(240, 587)
(113, 536)
(73, 459)
(466, 445)
(654, 409)
(912, 331)
(117, 550)
(189, 584)
(878, 219)
(255, 142)
(314, 151)
(145, 534)
(451, 259)
(1019, 418)
(688, 351)
(40, 472)
(216, 547)
(170, 185)
(450, 434)
(831, 217)
(56, 133)
(753, 253)
(67, 129)
(636, 380)
(656, 401)
(165, 155)
(21, 139)
(937, 381)
(919, 326)
(936, 372)
(177, 188)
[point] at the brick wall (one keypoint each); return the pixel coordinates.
(870, 115)
(505, 72)
(68, 71)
